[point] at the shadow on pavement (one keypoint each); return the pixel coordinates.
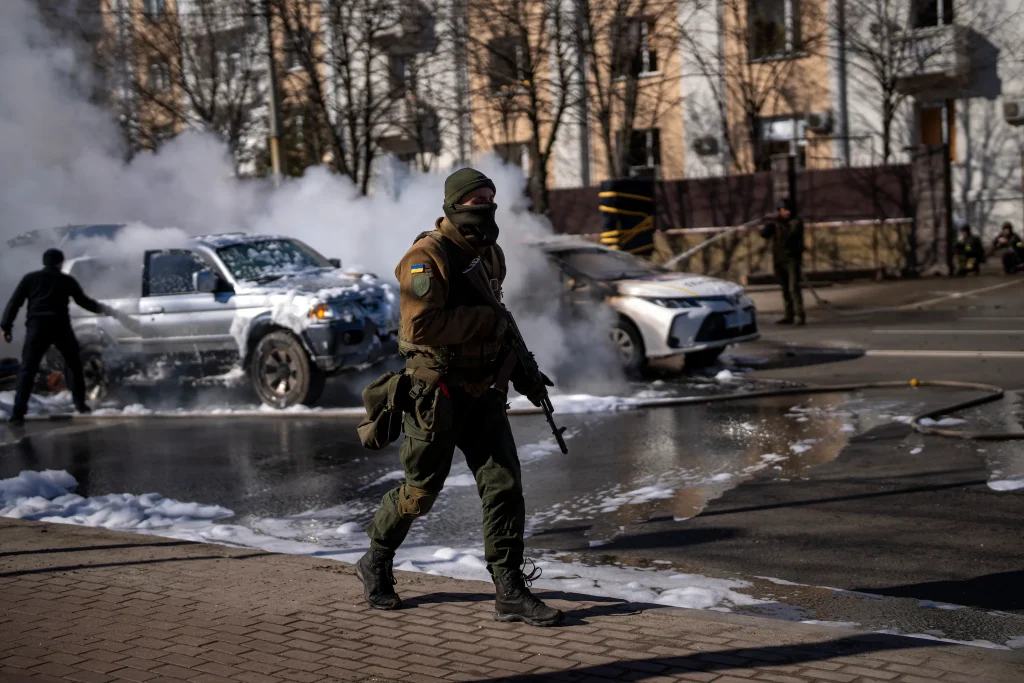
(1000, 591)
(724, 660)
(840, 499)
(132, 563)
(119, 546)
(673, 538)
(780, 355)
(606, 606)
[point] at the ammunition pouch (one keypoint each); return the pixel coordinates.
(385, 399)
(431, 409)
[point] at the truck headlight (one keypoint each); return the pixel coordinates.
(334, 311)
(673, 302)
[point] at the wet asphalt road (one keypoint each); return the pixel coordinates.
(857, 509)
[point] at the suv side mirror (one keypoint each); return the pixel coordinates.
(205, 281)
(336, 262)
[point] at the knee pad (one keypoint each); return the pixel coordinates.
(414, 502)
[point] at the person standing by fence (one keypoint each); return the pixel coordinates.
(786, 233)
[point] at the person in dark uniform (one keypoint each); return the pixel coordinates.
(786, 233)
(47, 324)
(1010, 243)
(452, 342)
(970, 253)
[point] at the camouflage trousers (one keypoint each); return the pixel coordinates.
(480, 429)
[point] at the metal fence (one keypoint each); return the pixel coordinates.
(872, 248)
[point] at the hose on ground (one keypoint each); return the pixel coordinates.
(992, 393)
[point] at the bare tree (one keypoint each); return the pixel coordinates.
(355, 65)
(521, 59)
(203, 65)
(754, 61)
(629, 76)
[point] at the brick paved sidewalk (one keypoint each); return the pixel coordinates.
(93, 605)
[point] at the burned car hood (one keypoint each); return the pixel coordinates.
(322, 285)
(675, 285)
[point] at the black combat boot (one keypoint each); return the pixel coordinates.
(788, 320)
(801, 319)
(513, 600)
(374, 570)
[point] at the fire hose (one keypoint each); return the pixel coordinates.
(992, 393)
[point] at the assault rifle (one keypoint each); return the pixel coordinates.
(529, 363)
(518, 353)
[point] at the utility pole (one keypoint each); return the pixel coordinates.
(274, 123)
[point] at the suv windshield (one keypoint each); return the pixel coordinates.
(606, 265)
(270, 259)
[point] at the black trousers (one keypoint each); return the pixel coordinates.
(40, 335)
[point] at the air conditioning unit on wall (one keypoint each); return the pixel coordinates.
(1013, 111)
(819, 121)
(706, 146)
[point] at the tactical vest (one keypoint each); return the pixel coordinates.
(470, 360)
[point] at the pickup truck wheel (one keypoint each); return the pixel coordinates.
(282, 373)
(630, 346)
(94, 370)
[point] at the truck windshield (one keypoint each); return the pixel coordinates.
(270, 259)
(606, 265)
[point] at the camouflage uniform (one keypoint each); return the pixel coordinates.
(447, 328)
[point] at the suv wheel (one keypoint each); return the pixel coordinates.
(94, 370)
(630, 346)
(283, 374)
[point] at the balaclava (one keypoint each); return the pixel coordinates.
(475, 220)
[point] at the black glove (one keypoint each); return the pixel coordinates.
(538, 389)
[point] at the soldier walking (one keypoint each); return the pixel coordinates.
(452, 341)
(786, 233)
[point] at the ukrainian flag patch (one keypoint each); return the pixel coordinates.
(418, 268)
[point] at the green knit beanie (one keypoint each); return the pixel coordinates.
(462, 182)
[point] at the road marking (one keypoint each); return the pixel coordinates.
(992, 317)
(956, 332)
(912, 353)
(957, 295)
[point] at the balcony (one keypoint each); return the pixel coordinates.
(413, 32)
(938, 59)
(416, 130)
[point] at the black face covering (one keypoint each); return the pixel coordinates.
(474, 219)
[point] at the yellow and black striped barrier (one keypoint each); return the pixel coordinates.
(627, 215)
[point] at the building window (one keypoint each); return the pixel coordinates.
(774, 28)
(634, 53)
(401, 76)
(644, 151)
(295, 45)
(159, 76)
(506, 66)
(936, 125)
(927, 13)
(154, 10)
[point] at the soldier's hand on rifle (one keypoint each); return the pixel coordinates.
(7, 336)
(538, 389)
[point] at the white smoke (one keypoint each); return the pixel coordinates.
(63, 163)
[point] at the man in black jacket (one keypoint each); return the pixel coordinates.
(47, 324)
